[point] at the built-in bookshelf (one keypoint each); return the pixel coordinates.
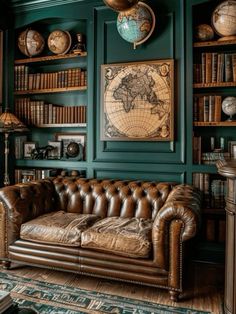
(50, 97)
(214, 134)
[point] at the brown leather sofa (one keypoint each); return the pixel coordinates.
(124, 230)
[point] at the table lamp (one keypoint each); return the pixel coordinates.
(9, 123)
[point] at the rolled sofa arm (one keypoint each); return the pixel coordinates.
(183, 205)
(20, 203)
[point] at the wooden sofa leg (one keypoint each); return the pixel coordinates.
(6, 264)
(174, 295)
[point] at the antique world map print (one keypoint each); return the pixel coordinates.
(137, 101)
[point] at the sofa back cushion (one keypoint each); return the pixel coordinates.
(108, 198)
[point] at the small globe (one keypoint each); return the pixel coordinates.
(137, 24)
(31, 43)
(59, 42)
(120, 5)
(224, 18)
(229, 106)
(204, 32)
(73, 149)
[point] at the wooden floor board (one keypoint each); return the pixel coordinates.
(204, 290)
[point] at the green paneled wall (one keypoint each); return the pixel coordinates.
(167, 161)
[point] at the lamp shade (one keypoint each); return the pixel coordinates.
(9, 123)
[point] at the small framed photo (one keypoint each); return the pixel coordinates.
(73, 145)
(55, 153)
(232, 149)
(28, 148)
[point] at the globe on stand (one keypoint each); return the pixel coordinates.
(229, 107)
(137, 24)
(224, 20)
(31, 43)
(204, 32)
(59, 41)
(120, 5)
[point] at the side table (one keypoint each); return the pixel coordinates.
(227, 168)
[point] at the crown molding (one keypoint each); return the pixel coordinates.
(28, 5)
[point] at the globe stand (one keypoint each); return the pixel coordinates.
(227, 38)
(231, 118)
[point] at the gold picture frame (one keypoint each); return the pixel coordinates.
(137, 101)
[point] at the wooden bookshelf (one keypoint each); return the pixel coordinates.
(50, 58)
(222, 123)
(214, 43)
(213, 211)
(63, 125)
(50, 90)
(209, 85)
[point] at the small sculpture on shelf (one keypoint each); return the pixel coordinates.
(41, 152)
(80, 46)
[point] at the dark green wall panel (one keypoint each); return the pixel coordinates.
(139, 174)
(134, 159)
(162, 45)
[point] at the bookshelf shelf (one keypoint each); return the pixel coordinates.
(63, 125)
(211, 85)
(214, 43)
(50, 58)
(203, 168)
(50, 97)
(51, 90)
(213, 211)
(50, 163)
(216, 124)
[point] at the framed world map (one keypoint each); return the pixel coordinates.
(137, 101)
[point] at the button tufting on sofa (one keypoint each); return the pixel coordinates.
(130, 230)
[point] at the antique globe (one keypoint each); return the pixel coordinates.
(31, 43)
(120, 5)
(229, 107)
(59, 42)
(204, 32)
(224, 18)
(137, 24)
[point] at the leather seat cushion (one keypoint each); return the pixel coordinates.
(58, 227)
(122, 236)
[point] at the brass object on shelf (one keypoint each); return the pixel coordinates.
(120, 5)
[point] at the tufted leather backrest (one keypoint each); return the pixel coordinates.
(107, 198)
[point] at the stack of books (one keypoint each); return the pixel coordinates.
(5, 301)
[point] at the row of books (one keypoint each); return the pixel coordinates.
(215, 152)
(214, 190)
(36, 81)
(37, 112)
(214, 229)
(215, 68)
(207, 108)
(210, 158)
(27, 175)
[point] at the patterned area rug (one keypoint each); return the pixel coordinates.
(48, 298)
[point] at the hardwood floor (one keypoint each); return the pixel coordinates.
(203, 291)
